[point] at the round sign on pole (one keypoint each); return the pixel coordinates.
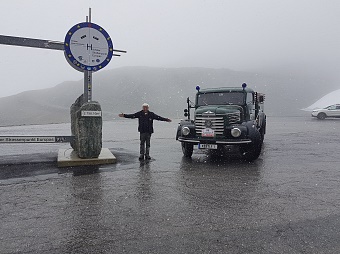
(88, 47)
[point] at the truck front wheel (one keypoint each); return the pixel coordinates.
(187, 149)
(251, 151)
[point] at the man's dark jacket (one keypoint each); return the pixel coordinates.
(145, 120)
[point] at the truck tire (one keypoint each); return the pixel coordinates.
(251, 151)
(263, 130)
(321, 116)
(187, 149)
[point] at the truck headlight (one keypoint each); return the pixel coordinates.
(235, 132)
(185, 131)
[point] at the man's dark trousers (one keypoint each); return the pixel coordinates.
(145, 139)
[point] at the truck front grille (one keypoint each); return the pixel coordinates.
(214, 122)
(234, 117)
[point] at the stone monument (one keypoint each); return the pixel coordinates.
(86, 129)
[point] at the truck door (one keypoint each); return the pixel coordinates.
(251, 106)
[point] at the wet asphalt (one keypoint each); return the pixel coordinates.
(288, 201)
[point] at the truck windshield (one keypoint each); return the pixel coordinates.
(221, 98)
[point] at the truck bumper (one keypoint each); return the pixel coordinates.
(219, 142)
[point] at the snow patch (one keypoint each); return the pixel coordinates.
(327, 100)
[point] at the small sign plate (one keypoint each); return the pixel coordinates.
(207, 146)
(91, 113)
(208, 133)
(35, 139)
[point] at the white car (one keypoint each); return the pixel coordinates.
(330, 111)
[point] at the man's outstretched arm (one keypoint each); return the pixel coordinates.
(135, 115)
(159, 118)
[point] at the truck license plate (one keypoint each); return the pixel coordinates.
(207, 146)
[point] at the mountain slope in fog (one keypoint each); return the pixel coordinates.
(165, 89)
(325, 101)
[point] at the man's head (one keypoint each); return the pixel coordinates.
(145, 107)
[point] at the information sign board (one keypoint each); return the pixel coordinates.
(88, 47)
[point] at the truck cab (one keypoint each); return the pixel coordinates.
(226, 116)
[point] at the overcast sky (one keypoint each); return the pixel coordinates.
(299, 36)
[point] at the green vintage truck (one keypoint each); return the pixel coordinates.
(224, 117)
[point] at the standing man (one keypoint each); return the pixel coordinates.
(145, 127)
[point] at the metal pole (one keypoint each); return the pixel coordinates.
(89, 77)
(86, 94)
(89, 85)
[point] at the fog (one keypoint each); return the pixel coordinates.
(290, 37)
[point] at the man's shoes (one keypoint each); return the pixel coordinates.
(147, 157)
(141, 157)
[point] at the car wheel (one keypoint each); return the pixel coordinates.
(321, 116)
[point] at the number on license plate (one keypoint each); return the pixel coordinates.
(207, 146)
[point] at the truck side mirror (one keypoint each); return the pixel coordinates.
(186, 114)
(261, 97)
(185, 111)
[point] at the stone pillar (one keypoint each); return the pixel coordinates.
(74, 127)
(87, 130)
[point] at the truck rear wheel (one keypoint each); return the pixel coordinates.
(263, 131)
(187, 149)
